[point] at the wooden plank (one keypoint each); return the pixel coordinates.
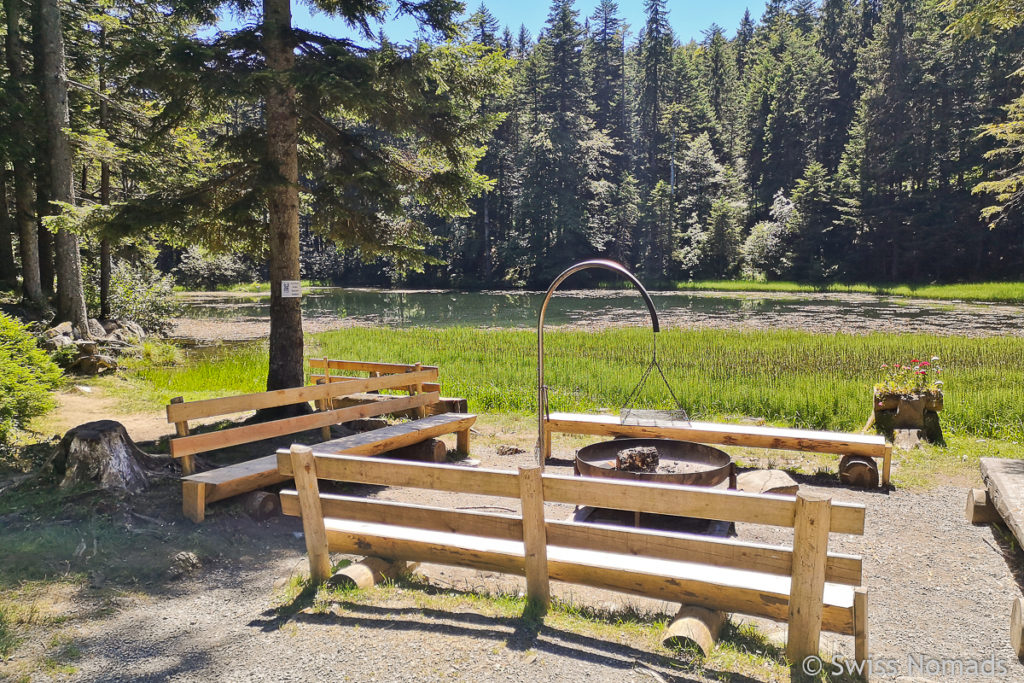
(860, 625)
(304, 469)
(377, 441)
(412, 474)
(691, 501)
(188, 465)
(427, 386)
(810, 546)
(538, 590)
(728, 434)
(665, 545)
(366, 366)
(1004, 479)
(200, 443)
(178, 412)
(730, 590)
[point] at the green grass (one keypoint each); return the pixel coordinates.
(253, 286)
(785, 377)
(1004, 292)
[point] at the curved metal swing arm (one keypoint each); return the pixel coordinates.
(542, 398)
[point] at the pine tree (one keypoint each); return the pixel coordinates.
(655, 65)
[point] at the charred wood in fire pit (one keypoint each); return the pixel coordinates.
(637, 459)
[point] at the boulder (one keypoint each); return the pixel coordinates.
(110, 326)
(87, 348)
(96, 329)
(94, 365)
(767, 481)
(64, 329)
(134, 329)
(57, 343)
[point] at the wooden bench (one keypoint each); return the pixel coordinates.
(199, 489)
(804, 585)
(728, 434)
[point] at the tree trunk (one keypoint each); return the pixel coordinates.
(105, 261)
(28, 243)
(282, 157)
(70, 295)
(8, 268)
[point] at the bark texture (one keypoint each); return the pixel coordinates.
(283, 205)
(70, 296)
(102, 452)
(28, 241)
(8, 269)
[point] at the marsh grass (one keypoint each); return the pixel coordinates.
(1004, 292)
(783, 377)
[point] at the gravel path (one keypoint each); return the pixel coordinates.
(939, 589)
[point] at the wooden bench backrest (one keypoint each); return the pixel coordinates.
(621, 495)
(327, 371)
(180, 413)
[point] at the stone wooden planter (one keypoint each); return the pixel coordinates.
(918, 413)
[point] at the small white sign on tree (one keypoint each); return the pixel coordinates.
(291, 289)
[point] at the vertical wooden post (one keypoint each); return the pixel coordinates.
(531, 495)
(860, 624)
(188, 465)
(462, 441)
(886, 464)
(193, 500)
(807, 590)
(421, 411)
(323, 404)
(304, 469)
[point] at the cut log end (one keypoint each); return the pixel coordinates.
(858, 470)
(1017, 627)
(980, 509)
(694, 626)
(368, 573)
(261, 505)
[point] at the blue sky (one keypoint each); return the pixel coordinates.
(688, 17)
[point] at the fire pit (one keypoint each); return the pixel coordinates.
(678, 462)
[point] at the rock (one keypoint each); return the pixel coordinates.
(767, 481)
(64, 329)
(122, 336)
(134, 329)
(183, 564)
(110, 326)
(505, 449)
(57, 343)
(94, 365)
(87, 348)
(96, 329)
(907, 439)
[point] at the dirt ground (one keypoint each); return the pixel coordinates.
(940, 593)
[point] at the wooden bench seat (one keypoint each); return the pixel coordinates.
(327, 395)
(724, 588)
(806, 440)
(224, 482)
(804, 585)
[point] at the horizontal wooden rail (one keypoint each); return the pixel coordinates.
(426, 386)
(730, 590)
(200, 443)
(181, 412)
(842, 569)
(668, 499)
(365, 366)
(726, 434)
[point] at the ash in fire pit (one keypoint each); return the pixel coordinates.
(638, 459)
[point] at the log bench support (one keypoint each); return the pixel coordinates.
(805, 585)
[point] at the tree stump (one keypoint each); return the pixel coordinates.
(858, 470)
(102, 452)
(261, 505)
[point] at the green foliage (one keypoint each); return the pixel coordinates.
(27, 375)
(138, 292)
(205, 271)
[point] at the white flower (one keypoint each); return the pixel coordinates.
(934, 358)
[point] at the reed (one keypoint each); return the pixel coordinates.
(785, 377)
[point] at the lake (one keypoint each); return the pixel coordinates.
(328, 307)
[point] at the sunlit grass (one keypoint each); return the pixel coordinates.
(785, 377)
(1005, 292)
